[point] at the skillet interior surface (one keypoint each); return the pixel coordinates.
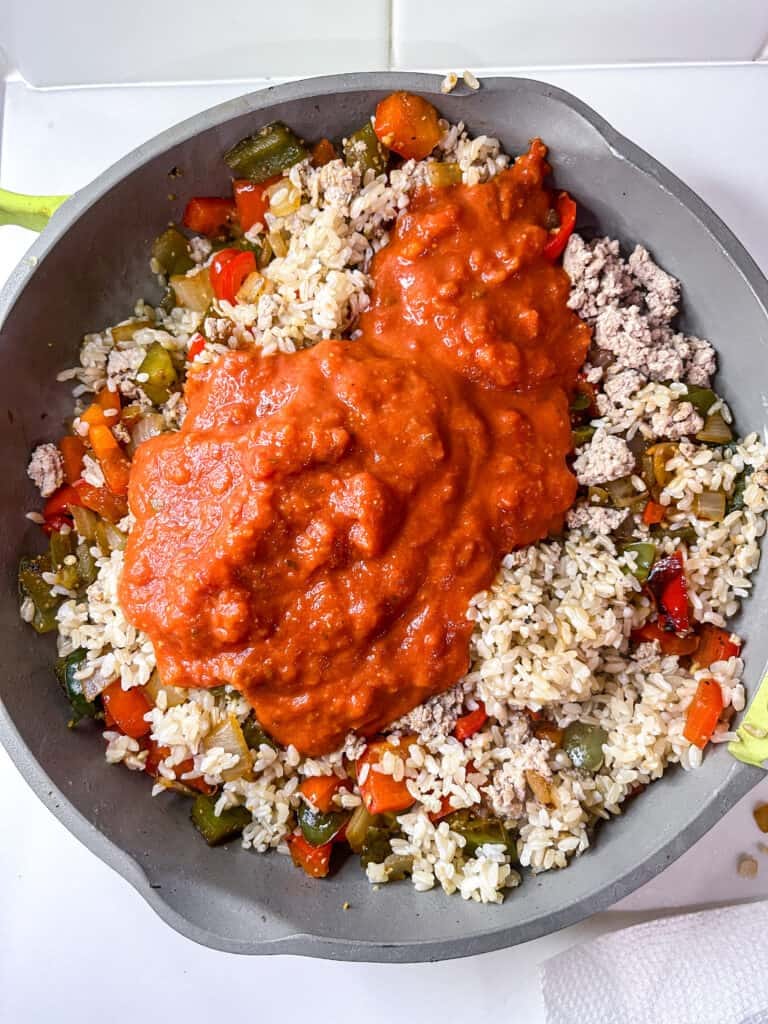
(86, 271)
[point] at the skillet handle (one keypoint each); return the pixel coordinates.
(31, 212)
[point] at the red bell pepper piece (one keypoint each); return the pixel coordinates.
(381, 793)
(229, 268)
(314, 860)
(209, 215)
(320, 789)
(667, 583)
(196, 346)
(566, 210)
(251, 200)
(127, 708)
(715, 645)
(157, 753)
(669, 642)
(653, 513)
(60, 501)
(703, 713)
(100, 499)
(72, 451)
(446, 808)
(468, 725)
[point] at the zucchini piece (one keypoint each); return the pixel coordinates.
(66, 670)
(159, 366)
(364, 151)
(172, 254)
(217, 828)
(270, 151)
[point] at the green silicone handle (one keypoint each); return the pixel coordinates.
(32, 212)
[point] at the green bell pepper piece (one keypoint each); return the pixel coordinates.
(271, 150)
(217, 828)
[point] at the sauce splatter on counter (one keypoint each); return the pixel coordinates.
(315, 531)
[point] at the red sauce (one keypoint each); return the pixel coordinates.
(315, 531)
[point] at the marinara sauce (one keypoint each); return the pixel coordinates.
(315, 531)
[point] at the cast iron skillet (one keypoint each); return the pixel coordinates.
(84, 272)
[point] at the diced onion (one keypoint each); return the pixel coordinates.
(85, 522)
(622, 493)
(95, 684)
(710, 505)
(148, 425)
(251, 288)
(715, 430)
(229, 736)
(174, 695)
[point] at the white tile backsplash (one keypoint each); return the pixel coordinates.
(509, 33)
(54, 43)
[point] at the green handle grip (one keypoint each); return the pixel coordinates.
(31, 212)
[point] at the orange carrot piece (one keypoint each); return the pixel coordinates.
(468, 725)
(323, 152)
(408, 125)
(653, 513)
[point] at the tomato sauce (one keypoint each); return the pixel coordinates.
(315, 531)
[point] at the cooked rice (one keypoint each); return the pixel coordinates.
(553, 631)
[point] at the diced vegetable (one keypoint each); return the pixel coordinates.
(703, 713)
(58, 508)
(196, 346)
(85, 522)
(315, 861)
(274, 148)
(158, 365)
(229, 269)
(320, 790)
(653, 513)
(715, 644)
(364, 151)
(715, 430)
(323, 152)
(252, 201)
(125, 332)
(209, 215)
(566, 210)
(702, 399)
(443, 175)
(549, 731)
(669, 642)
(217, 828)
(408, 125)
(61, 545)
(357, 827)
(114, 463)
(668, 584)
(86, 564)
(471, 723)
(127, 708)
(710, 505)
(173, 695)
(255, 735)
(33, 586)
(171, 252)
(583, 743)
(193, 291)
(540, 787)
(66, 672)
(104, 411)
(112, 507)
(736, 499)
(655, 459)
(446, 808)
(319, 828)
(376, 846)
(229, 737)
(149, 424)
(478, 831)
(251, 288)
(72, 451)
(623, 493)
(380, 792)
(582, 435)
(284, 197)
(109, 538)
(645, 555)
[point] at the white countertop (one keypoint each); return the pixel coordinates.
(75, 939)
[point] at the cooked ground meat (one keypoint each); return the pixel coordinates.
(46, 469)
(662, 291)
(636, 345)
(507, 791)
(599, 275)
(681, 420)
(436, 717)
(595, 519)
(605, 458)
(701, 363)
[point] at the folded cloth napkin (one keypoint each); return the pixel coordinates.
(704, 968)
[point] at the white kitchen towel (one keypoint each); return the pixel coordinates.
(704, 968)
